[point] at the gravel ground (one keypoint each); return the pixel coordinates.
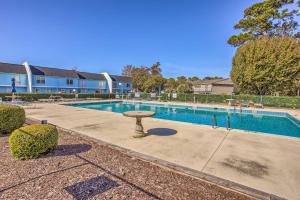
(82, 168)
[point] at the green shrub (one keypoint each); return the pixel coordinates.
(274, 101)
(11, 118)
(29, 97)
(31, 141)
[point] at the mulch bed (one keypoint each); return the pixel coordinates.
(82, 168)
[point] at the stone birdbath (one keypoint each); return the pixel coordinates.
(139, 114)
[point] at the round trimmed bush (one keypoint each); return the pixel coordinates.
(31, 141)
(11, 118)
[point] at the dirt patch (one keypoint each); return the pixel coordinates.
(86, 169)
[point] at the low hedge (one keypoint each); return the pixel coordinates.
(31, 141)
(274, 101)
(281, 101)
(29, 97)
(11, 117)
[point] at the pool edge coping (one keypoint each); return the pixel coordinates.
(288, 115)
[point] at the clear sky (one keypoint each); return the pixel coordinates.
(188, 37)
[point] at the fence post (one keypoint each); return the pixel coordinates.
(214, 121)
(228, 122)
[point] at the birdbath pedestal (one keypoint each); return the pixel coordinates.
(139, 129)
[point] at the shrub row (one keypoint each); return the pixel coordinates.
(281, 101)
(29, 97)
(274, 101)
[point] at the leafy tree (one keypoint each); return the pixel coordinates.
(153, 83)
(139, 76)
(127, 70)
(171, 85)
(266, 18)
(181, 80)
(212, 77)
(184, 87)
(193, 78)
(155, 69)
(267, 65)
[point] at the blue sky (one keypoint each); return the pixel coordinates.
(188, 37)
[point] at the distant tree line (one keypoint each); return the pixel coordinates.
(150, 79)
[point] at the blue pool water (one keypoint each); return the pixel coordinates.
(260, 121)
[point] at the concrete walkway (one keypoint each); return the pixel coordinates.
(265, 162)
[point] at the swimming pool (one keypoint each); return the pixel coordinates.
(279, 123)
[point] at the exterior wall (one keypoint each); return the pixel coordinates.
(219, 89)
(213, 89)
(202, 89)
(93, 86)
(54, 84)
(119, 87)
(5, 82)
(59, 84)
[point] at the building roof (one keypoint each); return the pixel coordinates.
(205, 82)
(91, 76)
(121, 78)
(47, 71)
(12, 68)
(224, 82)
(213, 82)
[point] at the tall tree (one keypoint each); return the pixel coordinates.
(267, 65)
(153, 83)
(212, 77)
(171, 85)
(139, 76)
(155, 69)
(193, 78)
(181, 80)
(266, 18)
(184, 87)
(127, 70)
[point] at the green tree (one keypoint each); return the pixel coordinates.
(181, 80)
(153, 83)
(266, 18)
(184, 87)
(127, 70)
(193, 78)
(267, 65)
(139, 76)
(155, 69)
(212, 77)
(171, 85)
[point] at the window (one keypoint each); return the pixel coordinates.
(69, 81)
(40, 79)
(82, 83)
(101, 84)
(17, 79)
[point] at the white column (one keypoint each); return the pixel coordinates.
(29, 77)
(109, 81)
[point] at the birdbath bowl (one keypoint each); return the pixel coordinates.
(139, 129)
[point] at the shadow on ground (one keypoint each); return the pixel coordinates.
(162, 131)
(69, 149)
(87, 189)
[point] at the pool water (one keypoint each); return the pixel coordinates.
(251, 120)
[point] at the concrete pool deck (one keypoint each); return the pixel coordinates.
(266, 162)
